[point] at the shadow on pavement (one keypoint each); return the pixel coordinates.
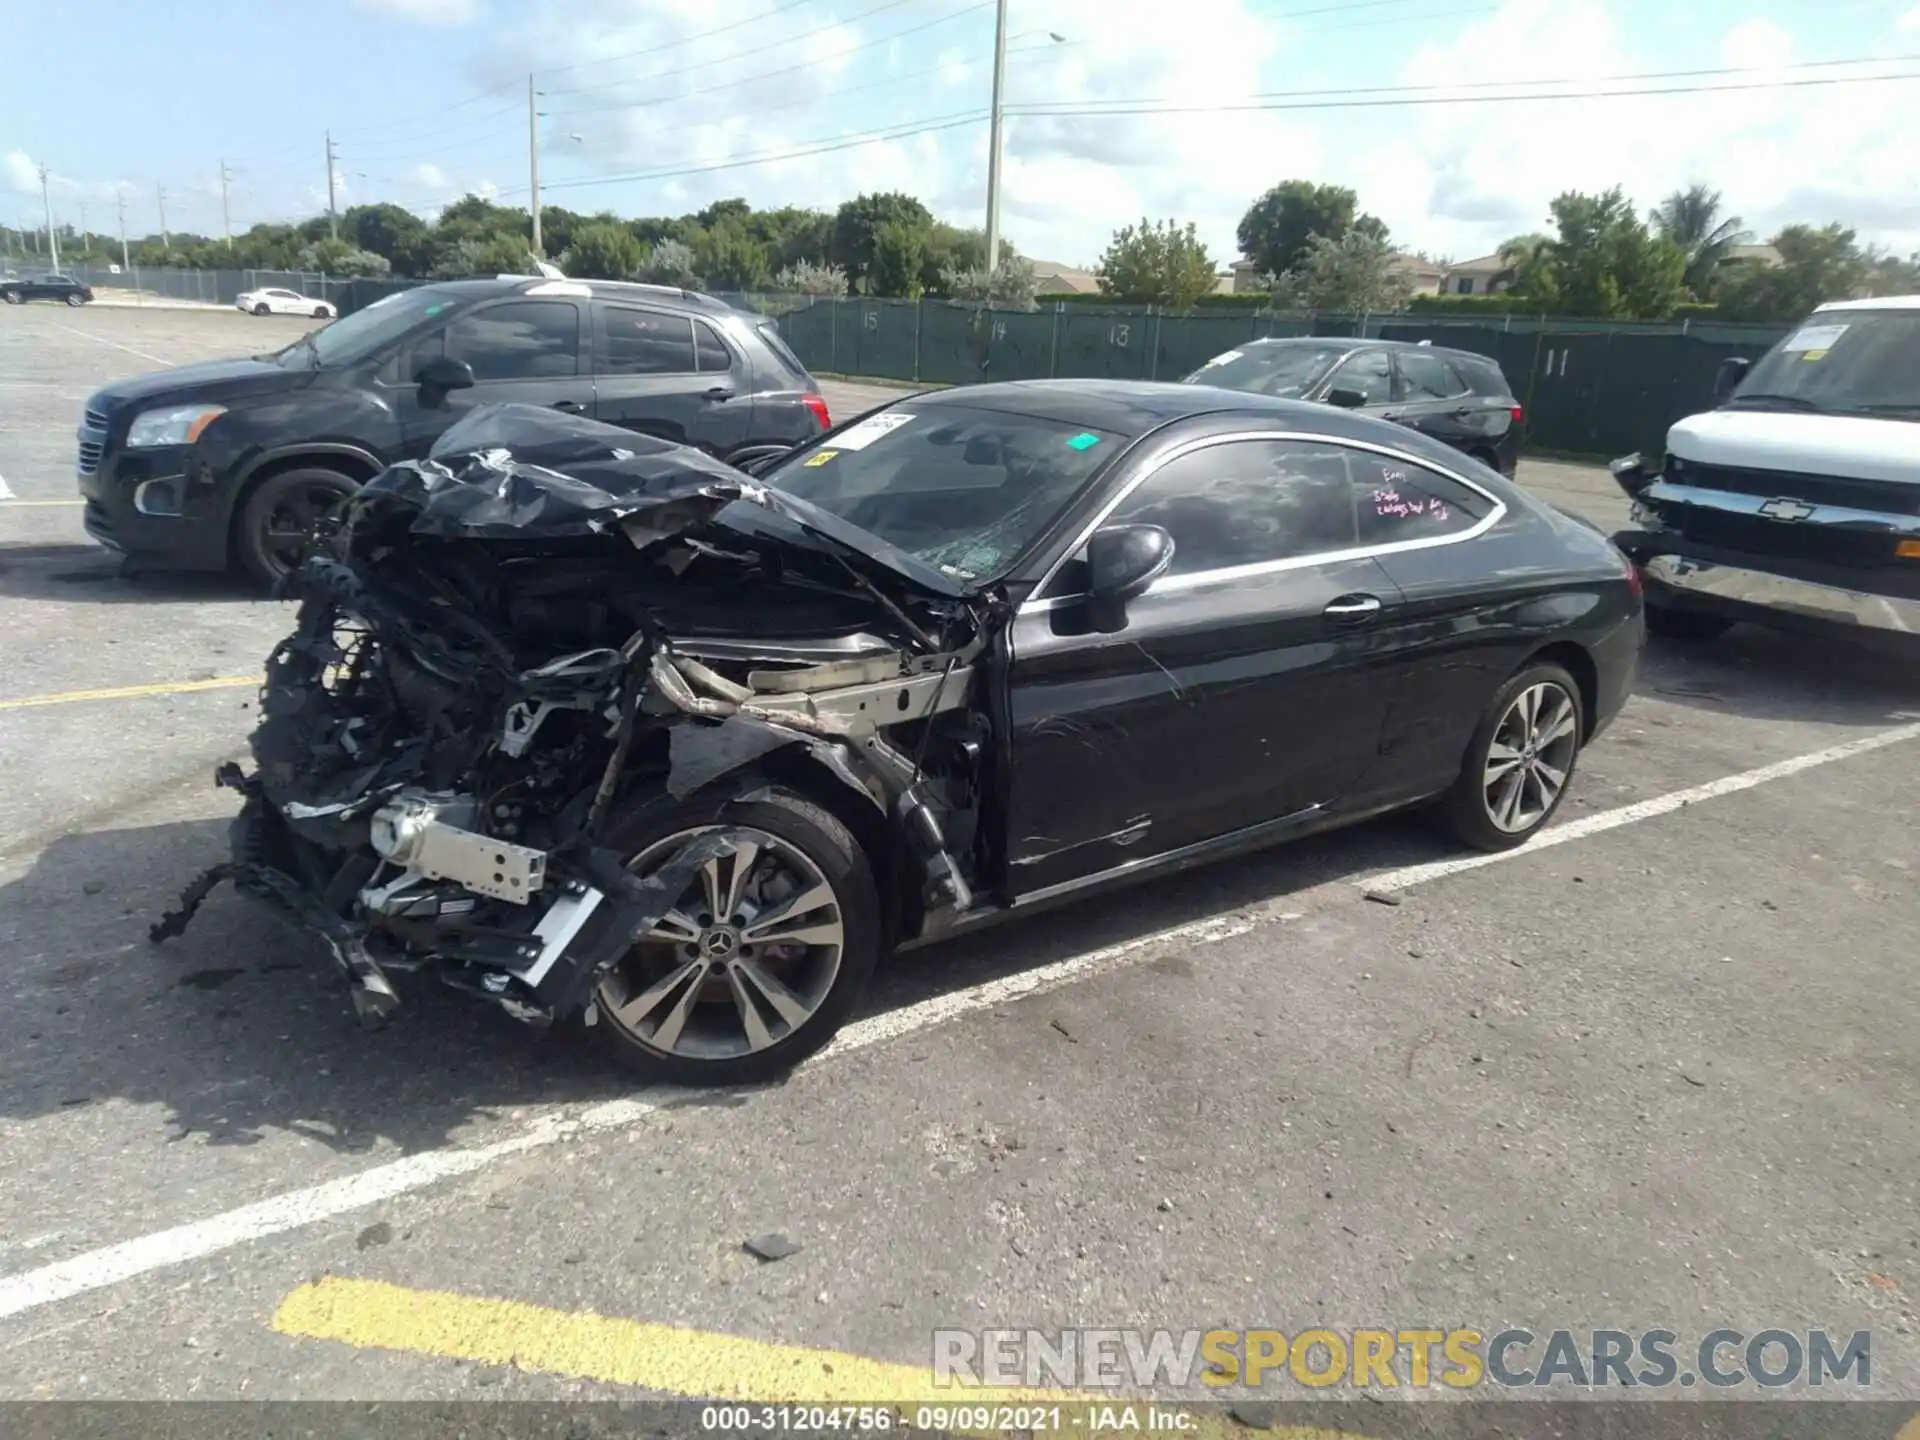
(241, 1027)
(1776, 675)
(86, 574)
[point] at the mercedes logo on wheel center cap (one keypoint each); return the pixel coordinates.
(719, 943)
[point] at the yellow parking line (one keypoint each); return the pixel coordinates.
(132, 692)
(666, 1359)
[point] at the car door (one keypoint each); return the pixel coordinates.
(669, 375)
(1471, 609)
(1436, 400)
(1370, 374)
(283, 302)
(526, 351)
(1250, 683)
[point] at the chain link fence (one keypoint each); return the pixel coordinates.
(212, 289)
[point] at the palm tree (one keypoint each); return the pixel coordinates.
(1691, 219)
(1521, 256)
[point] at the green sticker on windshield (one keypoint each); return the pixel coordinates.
(1085, 440)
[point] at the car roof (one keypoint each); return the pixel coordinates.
(1881, 302)
(1354, 342)
(586, 289)
(1119, 407)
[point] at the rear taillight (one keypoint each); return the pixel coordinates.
(1633, 577)
(1519, 415)
(817, 407)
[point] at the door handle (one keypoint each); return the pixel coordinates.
(1348, 609)
(720, 392)
(572, 407)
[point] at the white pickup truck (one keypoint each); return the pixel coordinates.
(1796, 502)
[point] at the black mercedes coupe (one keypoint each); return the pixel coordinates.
(598, 727)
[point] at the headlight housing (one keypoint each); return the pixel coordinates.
(176, 425)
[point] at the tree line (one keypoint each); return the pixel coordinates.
(877, 244)
(1310, 243)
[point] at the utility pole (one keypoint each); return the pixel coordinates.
(46, 202)
(86, 243)
(226, 216)
(533, 166)
(333, 215)
(125, 264)
(995, 127)
(166, 240)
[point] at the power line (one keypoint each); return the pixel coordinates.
(785, 42)
(936, 124)
(1078, 106)
(1090, 112)
(683, 40)
(872, 137)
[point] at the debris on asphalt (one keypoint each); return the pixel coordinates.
(1063, 1030)
(1383, 897)
(93, 887)
(1164, 1206)
(771, 1246)
(378, 1233)
(1698, 1084)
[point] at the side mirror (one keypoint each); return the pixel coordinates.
(1346, 399)
(1122, 561)
(1732, 371)
(440, 375)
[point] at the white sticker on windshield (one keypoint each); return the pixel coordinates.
(871, 429)
(1226, 359)
(1813, 337)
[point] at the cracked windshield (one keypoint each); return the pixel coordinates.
(962, 488)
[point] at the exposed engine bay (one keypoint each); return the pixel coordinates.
(507, 651)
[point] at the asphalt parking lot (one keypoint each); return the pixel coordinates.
(1662, 1069)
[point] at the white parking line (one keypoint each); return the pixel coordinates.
(1641, 810)
(109, 1265)
(102, 340)
(296, 1209)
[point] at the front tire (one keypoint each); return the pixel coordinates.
(321, 313)
(1685, 624)
(763, 957)
(76, 301)
(14, 297)
(1520, 762)
(279, 515)
(263, 310)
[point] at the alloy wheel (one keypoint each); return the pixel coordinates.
(290, 525)
(746, 957)
(1530, 757)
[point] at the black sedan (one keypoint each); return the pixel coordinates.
(1455, 396)
(63, 288)
(628, 734)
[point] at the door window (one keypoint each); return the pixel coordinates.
(1428, 377)
(646, 342)
(710, 350)
(1247, 502)
(1370, 372)
(1399, 501)
(521, 340)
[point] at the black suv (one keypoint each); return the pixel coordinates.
(45, 287)
(1459, 398)
(233, 460)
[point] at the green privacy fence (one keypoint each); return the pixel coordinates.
(1588, 387)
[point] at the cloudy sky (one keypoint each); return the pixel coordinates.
(1117, 108)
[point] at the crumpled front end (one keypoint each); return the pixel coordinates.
(550, 624)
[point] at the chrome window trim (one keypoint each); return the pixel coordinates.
(1041, 604)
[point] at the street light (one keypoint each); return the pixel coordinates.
(996, 128)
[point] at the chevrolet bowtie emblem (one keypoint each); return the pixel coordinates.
(1786, 509)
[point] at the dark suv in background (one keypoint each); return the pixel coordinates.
(203, 465)
(17, 290)
(1455, 396)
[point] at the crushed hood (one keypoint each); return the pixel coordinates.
(524, 472)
